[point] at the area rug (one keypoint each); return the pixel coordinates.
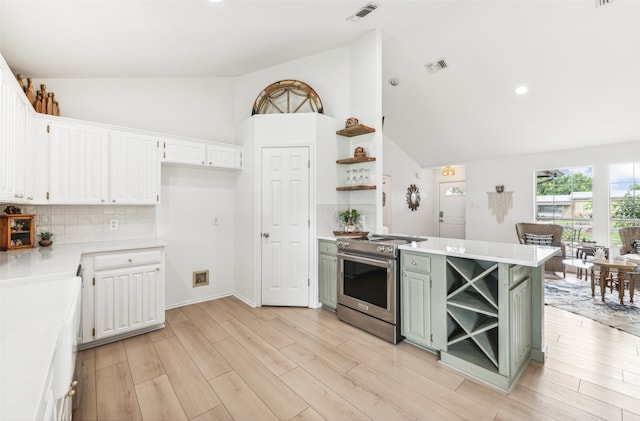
(574, 295)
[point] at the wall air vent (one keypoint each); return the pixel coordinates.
(603, 2)
(364, 11)
(436, 66)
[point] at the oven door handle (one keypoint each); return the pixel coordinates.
(361, 258)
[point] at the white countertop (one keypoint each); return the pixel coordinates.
(37, 289)
(31, 318)
(60, 260)
(518, 254)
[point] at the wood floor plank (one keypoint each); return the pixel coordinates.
(422, 385)
(572, 398)
(110, 354)
(370, 403)
(625, 401)
(603, 368)
(215, 310)
(293, 316)
(261, 349)
(630, 377)
(206, 357)
(158, 400)
(239, 399)
(116, 393)
(219, 413)
(205, 324)
(308, 414)
(261, 328)
(412, 402)
(174, 315)
(395, 362)
(329, 353)
(539, 370)
(282, 401)
(325, 401)
(156, 335)
(87, 410)
(193, 390)
(143, 359)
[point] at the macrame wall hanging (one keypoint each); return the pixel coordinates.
(500, 202)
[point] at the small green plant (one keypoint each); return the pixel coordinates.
(45, 235)
(354, 214)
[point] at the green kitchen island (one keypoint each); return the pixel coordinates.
(479, 304)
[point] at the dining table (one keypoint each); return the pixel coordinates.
(626, 272)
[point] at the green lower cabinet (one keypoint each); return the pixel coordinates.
(327, 274)
(416, 312)
(422, 299)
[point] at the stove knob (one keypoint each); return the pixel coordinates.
(389, 249)
(380, 248)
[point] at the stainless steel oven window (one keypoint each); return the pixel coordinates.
(366, 283)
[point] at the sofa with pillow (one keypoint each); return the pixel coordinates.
(544, 235)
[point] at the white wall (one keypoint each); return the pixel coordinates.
(517, 175)
(199, 108)
(190, 198)
(404, 171)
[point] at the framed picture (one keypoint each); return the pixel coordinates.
(200, 278)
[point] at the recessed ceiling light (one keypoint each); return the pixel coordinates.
(521, 90)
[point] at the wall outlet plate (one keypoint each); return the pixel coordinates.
(113, 224)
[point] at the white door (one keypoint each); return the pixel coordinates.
(285, 226)
(452, 209)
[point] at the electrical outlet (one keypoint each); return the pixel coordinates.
(215, 221)
(113, 224)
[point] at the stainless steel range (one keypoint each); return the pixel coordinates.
(369, 284)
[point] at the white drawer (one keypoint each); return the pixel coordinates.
(131, 258)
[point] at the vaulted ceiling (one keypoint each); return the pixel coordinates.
(580, 62)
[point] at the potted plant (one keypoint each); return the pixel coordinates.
(46, 240)
(349, 218)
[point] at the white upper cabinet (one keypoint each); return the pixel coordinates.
(224, 156)
(189, 152)
(134, 169)
(184, 152)
(13, 135)
(78, 157)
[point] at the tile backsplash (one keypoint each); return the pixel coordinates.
(86, 223)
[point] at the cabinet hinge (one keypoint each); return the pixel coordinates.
(309, 164)
(157, 143)
(164, 145)
(157, 197)
(164, 155)
(47, 195)
(94, 281)
(431, 337)
(308, 281)
(430, 283)
(93, 332)
(48, 128)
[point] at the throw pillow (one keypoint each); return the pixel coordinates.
(636, 245)
(538, 239)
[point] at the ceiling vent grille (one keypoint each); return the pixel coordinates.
(436, 66)
(364, 11)
(603, 2)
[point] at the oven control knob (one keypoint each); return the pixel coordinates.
(380, 248)
(389, 249)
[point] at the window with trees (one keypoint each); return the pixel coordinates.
(564, 196)
(624, 197)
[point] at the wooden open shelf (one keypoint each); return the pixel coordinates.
(357, 130)
(348, 188)
(355, 160)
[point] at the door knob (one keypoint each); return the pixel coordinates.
(265, 234)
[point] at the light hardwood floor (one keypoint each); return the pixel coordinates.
(223, 360)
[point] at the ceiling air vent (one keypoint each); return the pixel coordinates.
(364, 11)
(603, 2)
(436, 66)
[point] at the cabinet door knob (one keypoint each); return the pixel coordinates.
(114, 200)
(413, 262)
(130, 260)
(29, 197)
(102, 200)
(265, 235)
